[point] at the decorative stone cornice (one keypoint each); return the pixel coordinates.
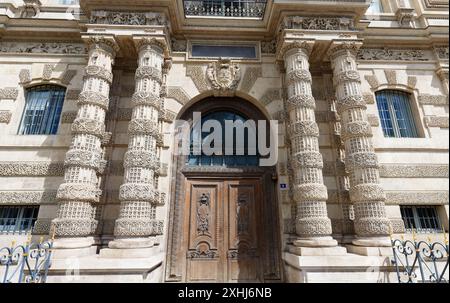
(31, 169)
(5, 116)
(387, 54)
(414, 171)
(436, 121)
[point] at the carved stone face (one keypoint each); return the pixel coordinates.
(224, 76)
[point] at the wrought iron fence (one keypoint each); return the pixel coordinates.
(27, 263)
(226, 8)
(421, 261)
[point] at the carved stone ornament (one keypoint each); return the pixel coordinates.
(43, 48)
(318, 23)
(224, 77)
(391, 54)
(127, 18)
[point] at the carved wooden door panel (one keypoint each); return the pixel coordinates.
(221, 226)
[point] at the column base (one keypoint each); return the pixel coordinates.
(317, 251)
(372, 241)
(131, 243)
(73, 247)
(315, 242)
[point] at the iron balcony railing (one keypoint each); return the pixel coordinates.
(226, 8)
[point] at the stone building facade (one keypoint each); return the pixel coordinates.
(89, 101)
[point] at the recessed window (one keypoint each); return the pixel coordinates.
(17, 219)
(420, 218)
(43, 107)
(397, 119)
(224, 51)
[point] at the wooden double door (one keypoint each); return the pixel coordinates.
(223, 230)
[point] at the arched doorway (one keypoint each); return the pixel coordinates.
(223, 224)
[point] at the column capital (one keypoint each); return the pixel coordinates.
(338, 47)
(105, 42)
(148, 41)
(284, 46)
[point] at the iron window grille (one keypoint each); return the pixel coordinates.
(420, 218)
(17, 219)
(42, 112)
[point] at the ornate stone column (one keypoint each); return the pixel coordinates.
(313, 226)
(139, 192)
(371, 224)
(80, 191)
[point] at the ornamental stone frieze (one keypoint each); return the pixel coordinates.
(414, 171)
(83, 162)
(43, 48)
(26, 169)
(127, 18)
(224, 76)
(387, 54)
(318, 23)
(5, 116)
(28, 197)
(371, 224)
(9, 93)
(442, 52)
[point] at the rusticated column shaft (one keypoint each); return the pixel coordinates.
(84, 159)
(138, 193)
(310, 194)
(361, 161)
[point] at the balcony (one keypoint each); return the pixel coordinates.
(225, 8)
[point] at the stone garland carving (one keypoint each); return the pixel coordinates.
(250, 76)
(365, 193)
(310, 194)
(391, 76)
(442, 52)
(24, 76)
(179, 45)
(224, 77)
(76, 197)
(5, 116)
(436, 121)
(47, 71)
(28, 197)
(391, 54)
(318, 23)
(196, 73)
(9, 93)
(179, 94)
(372, 80)
(417, 198)
(414, 171)
(68, 76)
(43, 48)
(127, 18)
(138, 193)
(433, 99)
(269, 47)
(270, 95)
(27, 169)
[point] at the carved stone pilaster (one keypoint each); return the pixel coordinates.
(371, 223)
(313, 227)
(139, 193)
(83, 162)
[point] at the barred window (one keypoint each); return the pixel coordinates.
(396, 116)
(420, 218)
(42, 112)
(17, 219)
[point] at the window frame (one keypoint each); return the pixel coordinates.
(410, 111)
(54, 123)
(417, 219)
(19, 219)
